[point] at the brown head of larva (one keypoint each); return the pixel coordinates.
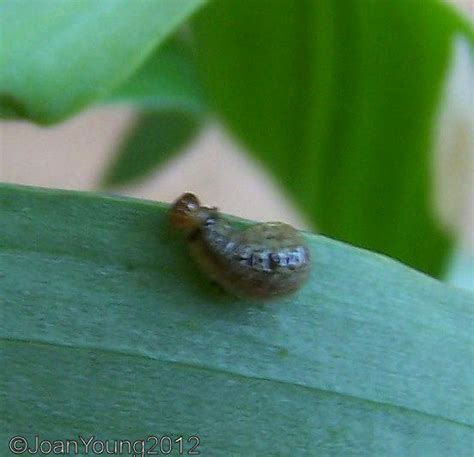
(185, 212)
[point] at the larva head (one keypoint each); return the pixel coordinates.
(185, 212)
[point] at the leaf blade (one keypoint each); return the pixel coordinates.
(61, 56)
(366, 344)
(167, 91)
(339, 101)
(156, 137)
(168, 80)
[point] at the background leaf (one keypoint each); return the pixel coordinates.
(168, 88)
(167, 80)
(155, 138)
(338, 99)
(108, 329)
(59, 56)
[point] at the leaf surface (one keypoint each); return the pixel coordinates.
(155, 138)
(108, 329)
(59, 56)
(339, 99)
(168, 93)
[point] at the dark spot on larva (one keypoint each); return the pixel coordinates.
(283, 353)
(194, 235)
(274, 260)
(243, 255)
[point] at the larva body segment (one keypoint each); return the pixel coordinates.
(264, 261)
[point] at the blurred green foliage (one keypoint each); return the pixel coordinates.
(337, 99)
(168, 80)
(59, 56)
(157, 136)
(168, 90)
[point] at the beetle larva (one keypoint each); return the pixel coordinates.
(265, 261)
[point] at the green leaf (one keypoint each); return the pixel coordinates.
(168, 87)
(59, 56)
(156, 137)
(167, 81)
(338, 99)
(108, 329)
